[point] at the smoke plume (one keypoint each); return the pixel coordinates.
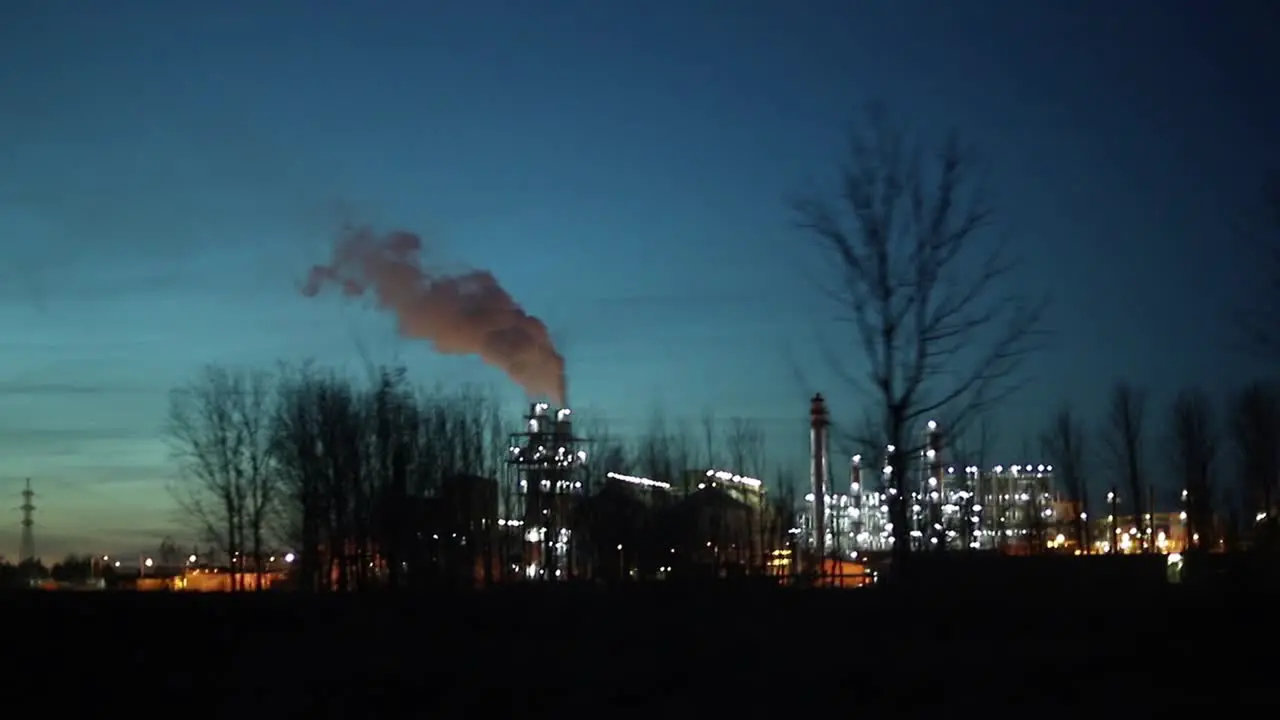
(461, 314)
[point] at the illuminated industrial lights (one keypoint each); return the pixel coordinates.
(727, 476)
(636, 480)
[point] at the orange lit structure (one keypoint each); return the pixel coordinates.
(209, 580)
(1120, 534)
(843, 574)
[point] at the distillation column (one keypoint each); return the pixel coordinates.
(935, 492)
(855, 499)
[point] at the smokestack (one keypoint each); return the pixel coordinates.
(818, 422)
(464, 314)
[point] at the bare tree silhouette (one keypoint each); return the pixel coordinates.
(1124, 437)
(744, 442)
(219, 431)
(1063, 442)
(656, 454)
(609, 452)
(682, 447)
(387, 484)
(1193, 440)
(707, 424)
(1255, 426)
(921, 286)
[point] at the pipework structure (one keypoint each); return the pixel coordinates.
(1009, 508)
(1018, 503)
(933, 522)
(546, 475)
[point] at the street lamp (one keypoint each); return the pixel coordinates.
(288, 557)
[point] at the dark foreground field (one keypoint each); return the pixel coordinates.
(567, 652)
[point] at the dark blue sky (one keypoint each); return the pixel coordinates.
(168, 172)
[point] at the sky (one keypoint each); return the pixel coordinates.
(169, 173)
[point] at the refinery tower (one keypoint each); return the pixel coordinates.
(546, 473)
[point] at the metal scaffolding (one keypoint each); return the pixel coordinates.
(546, 477)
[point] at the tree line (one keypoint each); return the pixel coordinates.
(1222, 457)
(336, 468)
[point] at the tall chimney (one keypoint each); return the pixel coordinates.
(818, 422)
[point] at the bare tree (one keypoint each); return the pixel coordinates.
(609, 453)
(1063, 443)
(654, 452)
(744, 444)
(682, 447)
(1124, 436)
(1193, 440)
(169, 554)
(388, 484)
(327, 443)
(219, 432)
(921, 287)
(708, 427)
(1255, 427)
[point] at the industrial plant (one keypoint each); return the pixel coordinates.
(949, 507)
(1014, 509)
(1011, 509)
(546, 473)
(543, 506)
(556, 513)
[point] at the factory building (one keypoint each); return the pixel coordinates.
(716, 521)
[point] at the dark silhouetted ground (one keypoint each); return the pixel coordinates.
(567, 652)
